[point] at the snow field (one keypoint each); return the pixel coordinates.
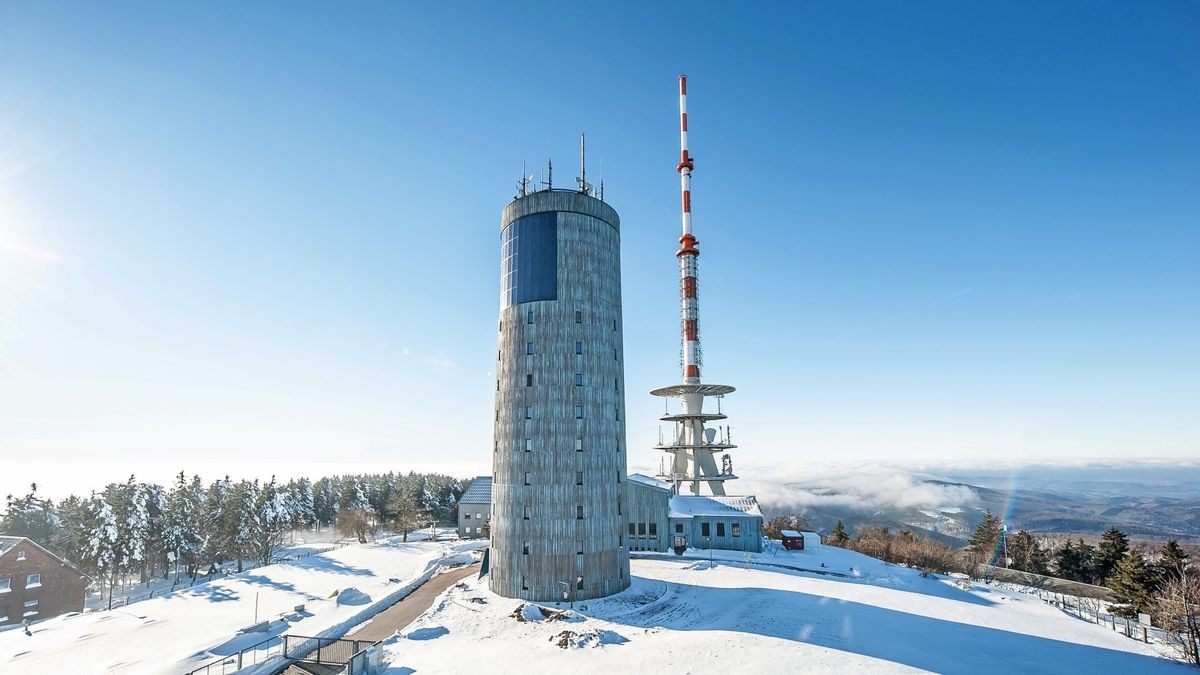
(680, 616)
(188, 628)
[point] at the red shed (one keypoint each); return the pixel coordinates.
(792, 540)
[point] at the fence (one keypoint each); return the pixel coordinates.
(1088, 609)
(1043, 582)
(355, 655)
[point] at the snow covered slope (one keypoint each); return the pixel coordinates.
(188, 628)
(679, 616)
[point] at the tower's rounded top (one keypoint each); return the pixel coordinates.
(571, 201)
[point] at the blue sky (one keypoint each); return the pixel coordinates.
(267, 233)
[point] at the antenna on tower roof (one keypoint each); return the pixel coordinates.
(602, 179)
(584, 187)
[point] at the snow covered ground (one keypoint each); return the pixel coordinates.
(190, 627)
(680, 616)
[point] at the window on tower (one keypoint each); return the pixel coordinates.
(578, 445)
(578, 347)
(578, 379)
(528, 412)
(579, 478)
(578, 412)
(529, 260)
(578, 316)
(529, 379)
(528, 347)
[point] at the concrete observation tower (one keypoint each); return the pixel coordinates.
(692, 447)
(559, 454)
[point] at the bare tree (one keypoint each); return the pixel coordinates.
(354, 523)
(404, 514)
(1177, 610)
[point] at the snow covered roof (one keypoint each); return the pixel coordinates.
(9, 542)
(790, 533)
(652, 482)
(688, 506)
(478, 492)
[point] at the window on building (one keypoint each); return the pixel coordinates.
(618, 409)
(525, 549)
(31, 608)
(529, 348)
(578, 379)
(578, 412)
(704, 529)
(632, 530)
(653, 529)
(501, 328)
(20, 555)
(736, 529)
(578, 316)
(529, 317)
(496, 446)
(497, 384)
(528, 477)
(466, 516)
(614, 353)
(615, 387)
(528, 379)
(528, 412)
(578, 547)
(478, 516)
(579, 511)
(618, 506)
(579, 583)
(579, 478)
(5, 585)
(524, 582)
(578, 347)
(614, 324)
(578, 445)
(641, 529)
(528, 444)
(720, 529)
(679, 528)
(618, 475)
(526, 512)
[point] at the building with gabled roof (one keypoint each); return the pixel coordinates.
(36, 584)
(475, 509)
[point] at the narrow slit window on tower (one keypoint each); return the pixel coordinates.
(579, 478)
(618, 506)
(578, 379)
(578, 445)
(578, 547)
(501, 328)
(528, 347)
(578, 347)
(528, 477)
(614, 353)
(528, 379)
(526, 512)
(578, 412)
(497, 384)
(615, 387)
(614, 324)
(579, 583)
(524, 582)
(529, 317)
(618, 409)
(525, 549)
(578, 316)
(579, 511)
(528, 444)
(528, 412)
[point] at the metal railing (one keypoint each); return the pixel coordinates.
(325, 651)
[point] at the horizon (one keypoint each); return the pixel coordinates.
(269, 238)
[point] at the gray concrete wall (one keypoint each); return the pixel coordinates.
(472, 516)
(544, 476)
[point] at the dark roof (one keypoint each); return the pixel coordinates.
(478, 492)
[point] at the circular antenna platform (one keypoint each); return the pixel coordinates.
(705, 389)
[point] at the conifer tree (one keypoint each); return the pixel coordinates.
(839, 536)
(1027, 554)
(29, 516)
(985, 541)
(1172, 561)
(1109, 553)
(103, 542)
(1133, 584)
(181, 534)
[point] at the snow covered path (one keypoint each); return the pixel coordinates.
(681, 617)
(188, 628)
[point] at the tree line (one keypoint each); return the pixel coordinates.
(137, 530)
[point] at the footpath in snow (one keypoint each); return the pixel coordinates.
(190, 627)
(857, 614)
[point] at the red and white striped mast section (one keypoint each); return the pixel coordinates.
(687, 254)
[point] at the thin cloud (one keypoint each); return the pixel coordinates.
(27, 251)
